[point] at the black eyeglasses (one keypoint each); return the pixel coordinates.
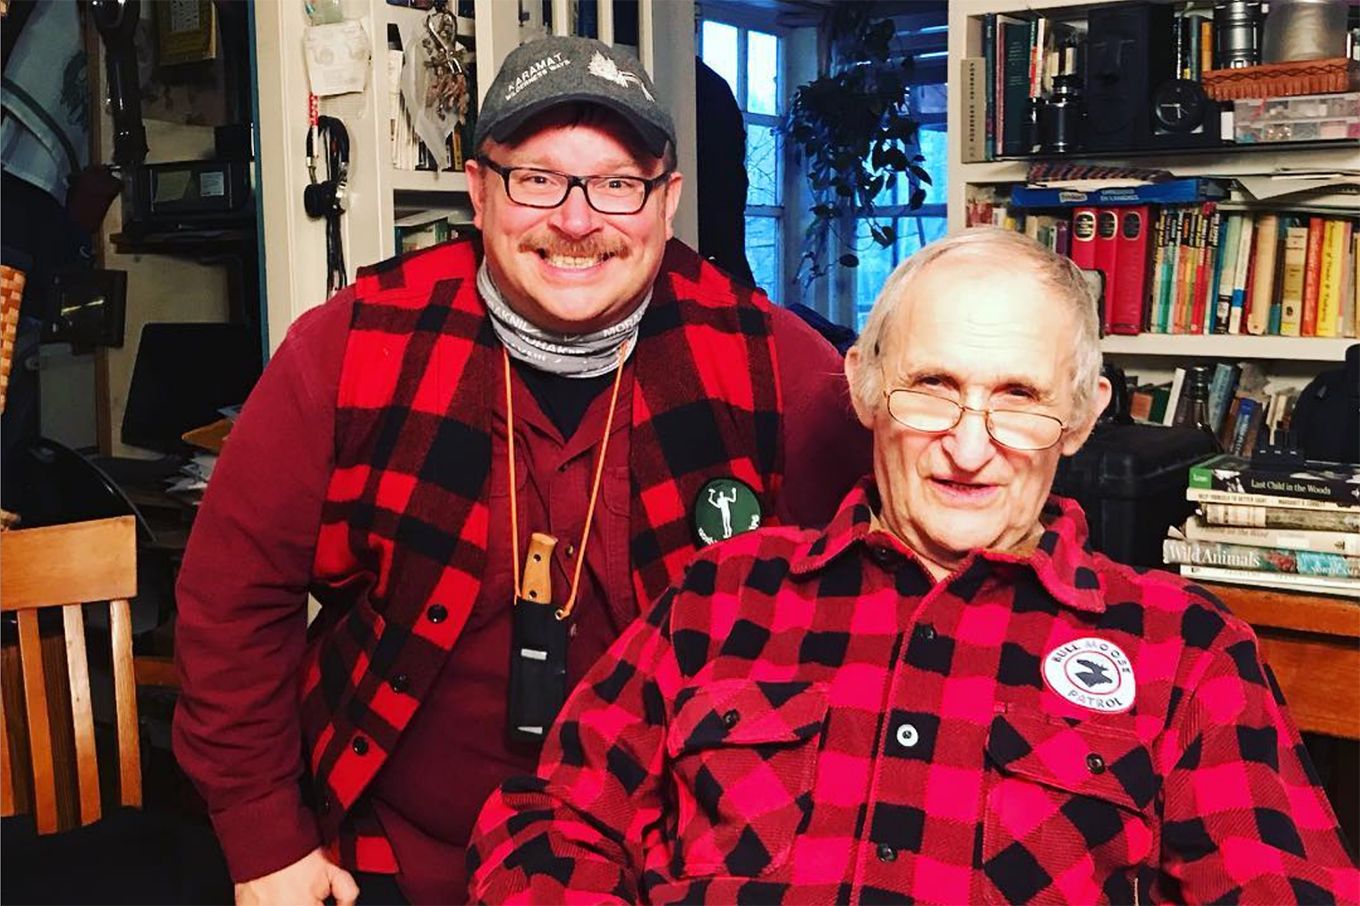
(1013, 428)
(536, 188)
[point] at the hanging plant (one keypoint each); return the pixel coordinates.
(853, 126)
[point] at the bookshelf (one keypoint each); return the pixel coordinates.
(1292, 360)
(378, 194)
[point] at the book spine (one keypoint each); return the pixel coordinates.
(1185, 270)
(1256, 516)
(1015, 98)
(1262, 559)
(1207, 224)
(1212, 495)
(1173, 401)
(1311, 273)
(1226, 270)
(1221, 387)
(972, 74)
(1288, 581)
(1131, 266)
(1170, 267)
(1154, 316)
(1346, 543)
(989, 60)
(1239, 290)
(1329, 282)
(1083, 253)
(1267, 236)
(1107, 257)
(1291, 285)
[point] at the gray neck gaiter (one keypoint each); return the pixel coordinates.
(576, 355)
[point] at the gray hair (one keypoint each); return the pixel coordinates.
(1055, 271)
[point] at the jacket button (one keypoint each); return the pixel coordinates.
(437, 613)
(360, 745)
(1095, 764)
(886, 853)
(400, 683)
(926, 633)
(730, 719)
(325, 804)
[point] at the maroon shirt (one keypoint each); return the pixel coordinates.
(253, 546)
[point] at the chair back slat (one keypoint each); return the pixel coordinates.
(82, 713)
(39, 731)
(6, 779)
(125, 701)
(69, 564)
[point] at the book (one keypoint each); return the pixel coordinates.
(1245, 243)
(1336, 482)
(1348, 543)
(1199, 279)
(1291, 283)
(1349, 303)
(1221, 387)
(1248, 408)
(1311, 271)
(989, 62)
(1330, 279)
(1174, 398)
(972, 75)
(1125, 313)
(1286, 581)
(1160, 394)
(1213, 271)
(1185, 257)
(1212, 495)
(1170, 267)
(1250, 515)
(1263, 285)
(1260, 559)
(1014, 66)
(1107, 256)
(1173, 191)
(1225, 271)
(1083, 252)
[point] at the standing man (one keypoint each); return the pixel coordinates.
(577, 374)
(943, 696)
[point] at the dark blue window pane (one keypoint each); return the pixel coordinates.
(762, 164)
(764, 252)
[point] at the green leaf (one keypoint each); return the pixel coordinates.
(918, 198)
(920, 174)
(848, 260)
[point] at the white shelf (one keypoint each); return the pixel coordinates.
(429, 181)
(1229, 346)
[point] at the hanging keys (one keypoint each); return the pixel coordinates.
(446, 91)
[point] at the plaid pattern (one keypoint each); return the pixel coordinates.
(402, 544)
(808, 718)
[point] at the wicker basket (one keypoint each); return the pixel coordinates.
(1275, 80)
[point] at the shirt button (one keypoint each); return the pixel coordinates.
(1095, 764)
(883, 556)
(730, 719)
(360, 745)
(926, 633)
(325, 804)
(907, 736)
(886, 853)
(400, 683)
(437, 613)
(570, 551)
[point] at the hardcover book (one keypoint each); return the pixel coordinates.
(1335, 482)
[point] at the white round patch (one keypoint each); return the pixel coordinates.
(1092, 673)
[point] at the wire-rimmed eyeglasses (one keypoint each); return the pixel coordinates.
(535, 188)
(1017, 429)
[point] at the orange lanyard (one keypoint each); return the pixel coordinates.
(564, 611)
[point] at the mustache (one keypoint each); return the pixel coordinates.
(594, 247)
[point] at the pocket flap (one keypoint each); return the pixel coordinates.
(743, 712)
(1083, 758)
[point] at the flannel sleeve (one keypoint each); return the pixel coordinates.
(577, 832)
(1245, 817)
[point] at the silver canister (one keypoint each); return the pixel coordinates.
(1304, 30)
(1237, 30)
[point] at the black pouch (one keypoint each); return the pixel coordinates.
(538, 671)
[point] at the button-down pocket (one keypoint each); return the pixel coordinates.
(1066, 811)
(743, 756)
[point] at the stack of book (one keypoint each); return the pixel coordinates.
(1242, 405)
(1294, 529)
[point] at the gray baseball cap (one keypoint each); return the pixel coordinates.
(565, 69)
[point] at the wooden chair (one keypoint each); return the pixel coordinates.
(67, 566)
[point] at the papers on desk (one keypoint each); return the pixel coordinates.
(191, 480)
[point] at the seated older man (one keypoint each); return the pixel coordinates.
(944, 696)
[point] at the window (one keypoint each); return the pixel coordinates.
(923, 36)
(750, 60)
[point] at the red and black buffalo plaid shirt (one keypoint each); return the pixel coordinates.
(809, 718)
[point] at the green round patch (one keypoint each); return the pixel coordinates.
(725, 507)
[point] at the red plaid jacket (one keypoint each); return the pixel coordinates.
(402, 543)
(808, 718)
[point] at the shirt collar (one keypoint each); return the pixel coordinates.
(1062, 559)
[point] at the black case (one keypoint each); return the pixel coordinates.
(1131, 481)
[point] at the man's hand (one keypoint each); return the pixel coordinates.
(308, 881)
